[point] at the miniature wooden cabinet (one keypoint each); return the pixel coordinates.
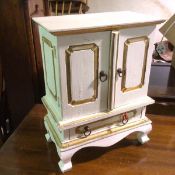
(96, 69)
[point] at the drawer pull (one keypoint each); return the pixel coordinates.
(103, 76)
(125, 118)
(87, 131)
(120, 72)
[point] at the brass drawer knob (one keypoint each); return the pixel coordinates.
(125, 118)
(87, 131)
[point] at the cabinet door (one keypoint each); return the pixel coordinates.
(84, 61)
(132, 54)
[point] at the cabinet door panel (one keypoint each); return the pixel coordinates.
(82, 73)
(134, 63)
(134, 54)
(82, 58)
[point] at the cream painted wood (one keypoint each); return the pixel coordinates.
(82, 76)
(102, 125)
(138, 103)
(66, 154)
(113, 55)
(94, 20)
(142, 137)
(134, 63)
(82, 64)
(75, 50)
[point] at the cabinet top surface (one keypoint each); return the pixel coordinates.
(60, 25)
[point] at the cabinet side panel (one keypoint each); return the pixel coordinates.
(51, 71)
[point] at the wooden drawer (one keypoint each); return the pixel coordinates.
(106, 124)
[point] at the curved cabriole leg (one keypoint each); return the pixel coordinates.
(65, 163)
(142, 137)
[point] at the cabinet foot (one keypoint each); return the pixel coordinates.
(48, 138)
(65, 165)
(142, 137)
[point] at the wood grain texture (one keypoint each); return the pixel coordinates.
(27, 152)
(15, 59)
(35, 8)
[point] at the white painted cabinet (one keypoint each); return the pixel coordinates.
(96, 69)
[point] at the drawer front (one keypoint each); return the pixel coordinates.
(106, 124)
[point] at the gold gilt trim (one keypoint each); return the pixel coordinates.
(125, 53)
(49, 43)
(99, 135)
(69, 51)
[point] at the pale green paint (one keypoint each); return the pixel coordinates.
(61, 134)
(51, 70)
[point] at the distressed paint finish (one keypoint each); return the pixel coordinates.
(51, 71)
(133, 55)
(95, 22)
(108, 123)
(80, 73)
(88, 103)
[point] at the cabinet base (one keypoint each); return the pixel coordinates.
(66, 151)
